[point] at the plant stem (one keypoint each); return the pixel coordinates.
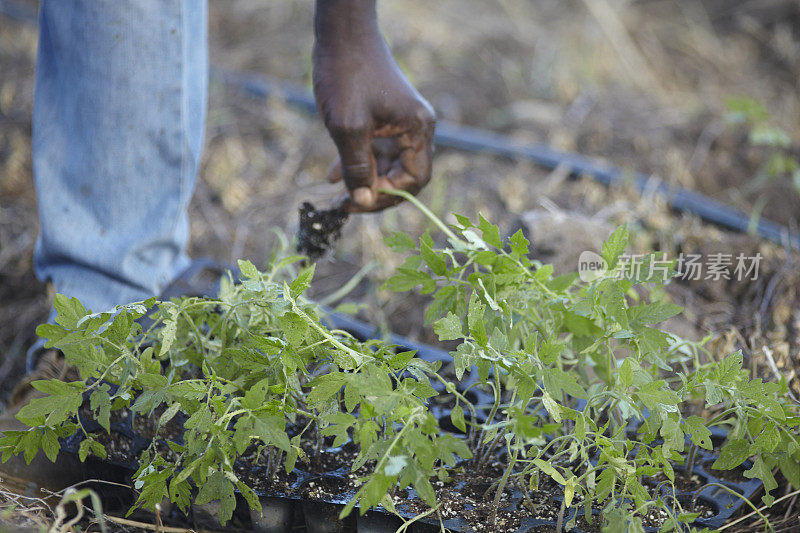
(501, 487)
(767, 524)
(425, 211)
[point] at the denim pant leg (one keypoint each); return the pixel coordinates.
(119, 112)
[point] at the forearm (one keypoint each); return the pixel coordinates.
(343, 22)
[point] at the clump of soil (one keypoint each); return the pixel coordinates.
(146, 425)
(466, 496)
(319, 229)
(119, 448)
(698, 506)
(580, 523)
(328, 489)
(328, 458)
(259, 481)
(682, 481)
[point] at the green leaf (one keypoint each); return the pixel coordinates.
(612, 300)
(169, 332)
(475, 320)
(63, 401)
(434, 261)
(768, 438)
(120, 328)
(763, 472)
(50, 445)
(302, 281)
(180, 492)
(443, 301)
(626, 373)
(457, 417)
(395, 465)
(695, 426)
(248, 269)
(407, 278)
(548, 469)
(294, 327)
(733, 453)
(673, 435)
(581, 326)
(100, 403)
(254, 396)
(552, 407)
(325, 386)
(399, 241)
(52, 332)
(218, 487)
(653, 313)
(89, 445)
(272, 430)
(615, 245)
(70, 311)
(557, 380)
(448, 328)
(491, 233)
(790, 469)
(519, 244)
(498, 340)
(727, 371)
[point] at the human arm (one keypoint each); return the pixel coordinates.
(382, 127)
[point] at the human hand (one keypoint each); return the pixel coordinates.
(382, 127)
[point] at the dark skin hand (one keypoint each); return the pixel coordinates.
(382, 127)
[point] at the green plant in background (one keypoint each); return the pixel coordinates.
(570, 365)
(780, 163)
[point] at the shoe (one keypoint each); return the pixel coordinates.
(30, 479)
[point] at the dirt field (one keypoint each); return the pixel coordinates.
(641, 84)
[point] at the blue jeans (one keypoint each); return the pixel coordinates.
(119, 113)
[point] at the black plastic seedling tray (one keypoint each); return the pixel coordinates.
(288, 508)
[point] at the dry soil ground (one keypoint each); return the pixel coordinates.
(641, 84)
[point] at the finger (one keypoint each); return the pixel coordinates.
(334, 174)
(400, 179)
(357, 164)
(417, 156)
(385, 150)
(381, 202)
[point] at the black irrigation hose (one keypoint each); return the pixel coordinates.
(478, 140)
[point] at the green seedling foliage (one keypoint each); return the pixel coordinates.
(242, 369)
(570, 364)
(547, 341)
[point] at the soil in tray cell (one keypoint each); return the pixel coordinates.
(470, 496)
(119, 448)
(706, 509)
(257, 479)
(327, 489)
(146, 425)
(682, 481)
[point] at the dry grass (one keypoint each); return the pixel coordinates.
(640, 83)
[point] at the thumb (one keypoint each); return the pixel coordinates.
(358, 167)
